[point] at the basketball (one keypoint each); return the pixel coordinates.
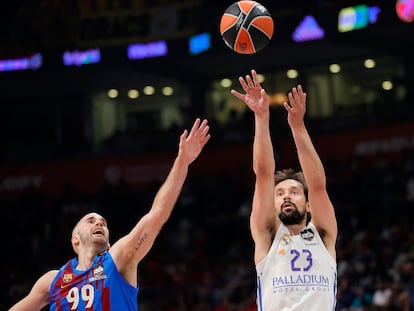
(246, 27)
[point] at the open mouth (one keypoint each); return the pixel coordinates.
(98, 231)
(287, 206)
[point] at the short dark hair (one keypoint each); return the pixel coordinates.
(290, 173)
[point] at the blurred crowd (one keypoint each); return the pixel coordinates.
(202, 259)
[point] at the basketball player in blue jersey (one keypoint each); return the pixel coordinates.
(292, 222)
(103, 277)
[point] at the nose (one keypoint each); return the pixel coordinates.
(286, 197)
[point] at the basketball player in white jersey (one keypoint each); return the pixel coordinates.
(293, 222)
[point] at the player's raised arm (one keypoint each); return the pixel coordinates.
(323, 214)
(38, 296)
(129, 250)
(263, 219)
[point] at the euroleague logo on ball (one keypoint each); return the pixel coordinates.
(246, 27)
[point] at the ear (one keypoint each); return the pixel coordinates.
(75, 240)
(308, 207)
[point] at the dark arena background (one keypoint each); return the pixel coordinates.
(94, 94)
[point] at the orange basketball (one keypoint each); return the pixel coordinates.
(246, 27)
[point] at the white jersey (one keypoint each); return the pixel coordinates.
(297, 274)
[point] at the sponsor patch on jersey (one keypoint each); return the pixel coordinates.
(307, 234)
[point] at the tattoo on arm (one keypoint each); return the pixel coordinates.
(141, 240)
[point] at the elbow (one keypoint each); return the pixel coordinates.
(317, 185)
(158, 218)
(264, 174)
(263, 169)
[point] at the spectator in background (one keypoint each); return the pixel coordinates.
(381, 298)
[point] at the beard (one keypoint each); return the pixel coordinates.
(294, 218)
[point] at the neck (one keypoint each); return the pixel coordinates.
(86, 258)
(295, 229)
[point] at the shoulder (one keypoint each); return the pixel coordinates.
(328, 240)
(311, 230)
(50, 275)
(45, 281)
(106, 256)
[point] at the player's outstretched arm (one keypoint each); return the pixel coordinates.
(323, 214)
(129, 250)
(263, 219)
(38, 296)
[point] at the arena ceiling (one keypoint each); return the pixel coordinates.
(23, 31)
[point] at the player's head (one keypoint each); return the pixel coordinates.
(90, 231)
(291, 197)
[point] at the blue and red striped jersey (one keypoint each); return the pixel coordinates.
(99, 288)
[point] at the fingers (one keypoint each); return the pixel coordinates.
(183, 136)
(298, 93)
(198, 129)
(195, 126)
(292, 101)
(287, 106)
(296, 96)
(243, 83)
(249, 82)
(186, 135)
(237, 94)
(203, 129)
(255, 78)
(205, 135)
(264, 96)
